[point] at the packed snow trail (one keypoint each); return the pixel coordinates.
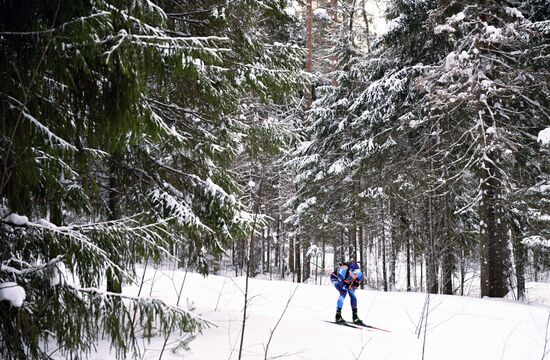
(457, 327)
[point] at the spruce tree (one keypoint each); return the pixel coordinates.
(119, 121)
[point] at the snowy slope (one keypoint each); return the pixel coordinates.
(457, 327)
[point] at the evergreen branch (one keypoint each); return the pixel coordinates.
(146, 300)
(44, 129)
(30, 269)
(57, 28)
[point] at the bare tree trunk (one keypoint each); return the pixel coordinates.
(282, 257)
(291, 261)
(431, 259)
(250, 263)
(384, 274)
(306, 273)
(337, 256)
(447, 276)
(242, 255)
(520, 258)
(268, 253)
(361, 258)
(493, 242)
(262, 253)
(422, 273)
(462, 272)
(393, 246)
(324, 250)
(448, 263)
(297, 261)
(408, 245)
(352, 249)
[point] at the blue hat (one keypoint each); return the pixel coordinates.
(353, 266)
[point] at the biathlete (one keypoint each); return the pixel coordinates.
(346, 278)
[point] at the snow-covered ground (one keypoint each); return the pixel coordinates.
(462, 328)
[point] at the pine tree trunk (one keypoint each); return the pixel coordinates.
(408, 245)
(291, 261)
(282, 262)
(337, 256)
(520, 258)
(361, 252)
(307, 264)
(342, 246)
(297, 261)
(268, 250)
(393, 246)
(448, 265)
(493, 243)
(352, 253)
(462, 272)
(242, 255)
(447, 276)
(431, 261)
(383, 240)
(263, 250)
(323, 260)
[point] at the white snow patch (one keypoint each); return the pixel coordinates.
(440, 29)
(394, 24)
(544, 136)
(321, 14)
(463, 56)
(456, 18)
(17, 219)
(13, 293)
(306, 205)
(513, 12)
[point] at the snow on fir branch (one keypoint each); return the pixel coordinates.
(536, 241)
(52, 137)
(85, 235)
(25, 268)
(179, 206)
(146, 301)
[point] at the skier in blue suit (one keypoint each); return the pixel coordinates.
(346, 279)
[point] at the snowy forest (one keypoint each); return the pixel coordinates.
(266, 138)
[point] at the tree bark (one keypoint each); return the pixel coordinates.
(520, 258)
(361, 258)
(384, 273)
(448, 263)
(431, 260)
(291, 262)
(297, 261)
(393, 246)
(493, 242)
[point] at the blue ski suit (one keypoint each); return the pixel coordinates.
(345, 283)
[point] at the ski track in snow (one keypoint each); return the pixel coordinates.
(457, 327)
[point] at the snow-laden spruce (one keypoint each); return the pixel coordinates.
(119, 123)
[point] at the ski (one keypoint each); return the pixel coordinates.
(346, 324)
(368, 326)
